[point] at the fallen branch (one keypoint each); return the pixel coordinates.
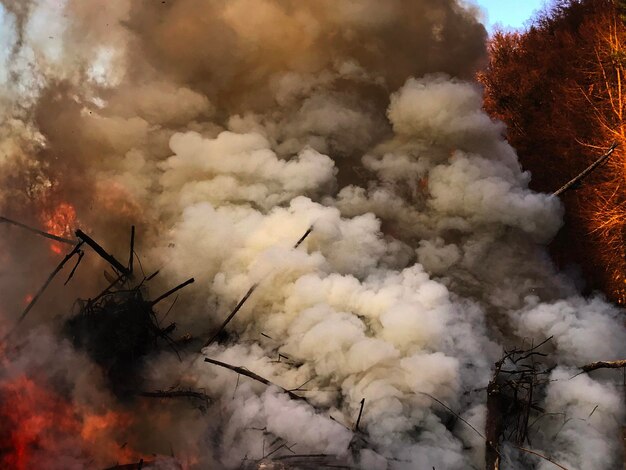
(582, 175)
(37, 231)
(252, 375)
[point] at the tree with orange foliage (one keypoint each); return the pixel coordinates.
(561, 88)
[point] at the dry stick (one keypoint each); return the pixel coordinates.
(453, 412)
(303, 237)
(358, 420)
(130, 466)
(232, 314)
(252, 375)
(48, 281)
(247, 296)
(103, 254)
(493, 425)
(37, 231)
(132, 249)
(586, 171)
(172, 291)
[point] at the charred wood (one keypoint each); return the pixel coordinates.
(604, 365)
(172, 291)
(119, 267)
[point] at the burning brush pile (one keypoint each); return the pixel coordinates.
(372, 289)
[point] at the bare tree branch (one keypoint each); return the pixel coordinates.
(583, 174)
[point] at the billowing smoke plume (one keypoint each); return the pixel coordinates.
(225, 130)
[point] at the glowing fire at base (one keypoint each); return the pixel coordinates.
(42, 429)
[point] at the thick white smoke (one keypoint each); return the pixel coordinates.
(226, 130)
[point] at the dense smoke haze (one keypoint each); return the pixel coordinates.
(224, 130)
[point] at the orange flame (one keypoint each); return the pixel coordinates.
(39, 428)
(60, 221)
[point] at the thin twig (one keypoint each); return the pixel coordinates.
(303, 237)
(252, 375)
(453, 412)
(583, 174)
(81, 254)
(523, 449)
